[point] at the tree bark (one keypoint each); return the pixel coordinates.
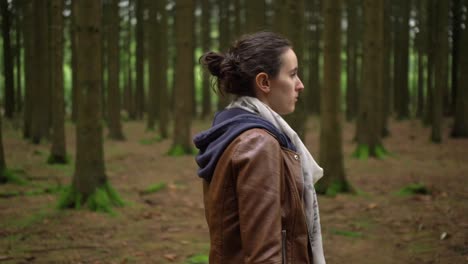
(28, 68)
(312, 90)
(184, 82)
(9, 95)
(161, 69)
(3, 167)
(331, 152)
(460, 126)
(351, 60)
(206, 44)
(255, 15)
(140, 60)
(441, 68)
(113, 58)
(89, 167)
(41, 93)
(58, 151)
(402, 60)
(371, 101)
(224, 37)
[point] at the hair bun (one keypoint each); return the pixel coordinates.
(212, 60)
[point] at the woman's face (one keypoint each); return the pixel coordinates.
(285, 88)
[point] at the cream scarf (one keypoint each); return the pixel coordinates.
(311, 171)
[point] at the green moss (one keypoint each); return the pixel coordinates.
(178, 150)
(14, 178)
(362, 152)
(150, 141)
(415, 188)
(154, 188)
(101, 200)
(347, 233)
(380, 152)
(338, 187)
(53, 159)
(198, 259)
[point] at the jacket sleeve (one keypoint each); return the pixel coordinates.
(257, 164)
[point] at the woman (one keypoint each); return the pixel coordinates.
(260, 202)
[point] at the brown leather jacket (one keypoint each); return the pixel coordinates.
(254, 205)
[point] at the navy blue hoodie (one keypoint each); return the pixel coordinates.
(227, 125)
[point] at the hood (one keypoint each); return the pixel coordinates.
(227, 125)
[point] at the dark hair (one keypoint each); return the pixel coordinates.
(252, 54)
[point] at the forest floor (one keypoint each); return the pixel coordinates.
(378, 225)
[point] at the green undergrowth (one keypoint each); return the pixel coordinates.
(178, 151)
(335, 188)
(346, 233)
(12, 176)
(151, 141)
(412, 189)
(197, 259)
(154, 188)
(35, 192)
(55, 160)
(362, 152)
(103, 199)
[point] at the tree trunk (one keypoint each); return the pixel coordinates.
(430, 62)
(421, 40)
(457, 8)
(387, 69)
(153, 65)
(113, 59)
(224, 37)
(3, 167)
(74, 89)
(19, 72)
(206, 44)
(402, 59)
(441, 68)
(41, 77)
(58, 152)
(9, 95)
(140, 60)
(351, 60)
(161, 68)
(128, 91)
(331, 152)
(371, 101)
(28, 68)
(255, 15)
(460, 126)
(184, 82)
(312, 91)
(89, 184)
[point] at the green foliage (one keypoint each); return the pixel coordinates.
(380, 152)
(362, 152)
(101, 200)
(198, 259)
(155, 188)
(14, 178)
(150, 141)
(52, 159)
(347, 233)
(178, 150)
(338, 187)
(415, 188)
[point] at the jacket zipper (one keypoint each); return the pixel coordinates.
(283, 246)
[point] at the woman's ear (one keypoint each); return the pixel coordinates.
(262, 82)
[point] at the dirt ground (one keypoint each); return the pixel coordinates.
(378, 225)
